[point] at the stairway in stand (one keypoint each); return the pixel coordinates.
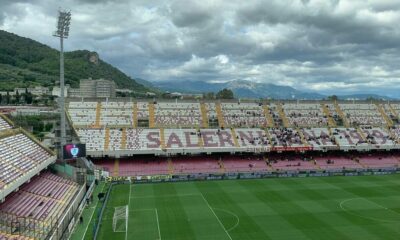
(151, 115)
(235, 139)
(325, 109)
(389, 121)
(282, 115)
(303, 139)
(268, 116)
(204, 117)
(116, 168)
(162, 140)
(341, 115)
(362, 134)
(170, 166)
(221, 166)
(134, 115)
(107, 139)
(98, 115)
(220, 115)
(123, 139)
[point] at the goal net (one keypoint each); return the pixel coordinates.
(120, 219)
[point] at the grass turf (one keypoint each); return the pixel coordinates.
(366, 207)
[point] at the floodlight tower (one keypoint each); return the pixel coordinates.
(64, 19)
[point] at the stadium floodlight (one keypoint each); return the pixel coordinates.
(64, 20)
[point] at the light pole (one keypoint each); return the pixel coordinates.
(64, 19)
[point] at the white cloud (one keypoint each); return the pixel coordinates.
(327, 46)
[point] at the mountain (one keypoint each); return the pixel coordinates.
(241, 89)
(25, 62)
(247, 89)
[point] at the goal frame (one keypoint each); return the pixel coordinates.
(120, 215)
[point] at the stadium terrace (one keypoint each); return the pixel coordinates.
(117, 128)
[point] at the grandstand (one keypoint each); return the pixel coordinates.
(124, 129)
(33, 200)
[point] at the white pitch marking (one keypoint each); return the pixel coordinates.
(358, 215)
(91, 216)
(231, 213)
(129, 203)
(205, 200)
(158, 224)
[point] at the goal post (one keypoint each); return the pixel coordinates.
(120, 219)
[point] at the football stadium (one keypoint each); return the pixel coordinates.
(331, 168)
(211, 148)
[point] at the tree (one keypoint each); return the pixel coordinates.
(8, 98)
(225, 94)
(209, 95)
(17, 97)
(28, 98)
(333, 98)
(1, 99)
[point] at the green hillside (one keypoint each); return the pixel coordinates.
(25, 62)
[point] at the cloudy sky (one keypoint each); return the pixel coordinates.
(327, 46)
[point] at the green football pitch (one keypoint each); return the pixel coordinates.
(353, 208)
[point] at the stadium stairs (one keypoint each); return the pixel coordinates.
(204, 117)
(134, 115)
(282, 115)
(107, 139)
(389, 122)
(325, 109)
(151, 115)
(394, 112)
(220, 115)
(341, 115)
(170, 166)
(235, 138)
(123, 139)
(362, 134)
(98, 115)
(268, 116)
(116, 168)
(303, 139)
(162, 138)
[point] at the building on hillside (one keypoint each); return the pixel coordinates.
(97, 88)
(57, 92)
(37, 91)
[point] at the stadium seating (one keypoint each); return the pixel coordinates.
(361, 114)
(19, 156)
(319, 138)
(42, 201)
(350, 138)
(379, 138)
(285, 137)
(244, 115)
(116, 114)
(143, 139)
(4, 125)
(94, 138)
(251, 137)
(142, 167)
(82, 113)
(297, 165)
(115, 141)
(305, 115)
(337, 163)
(189, 165)
(244, 164)
(379, 161)
(142, 110)
(170, 114)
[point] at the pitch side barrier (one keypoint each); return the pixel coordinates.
(253, 175)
